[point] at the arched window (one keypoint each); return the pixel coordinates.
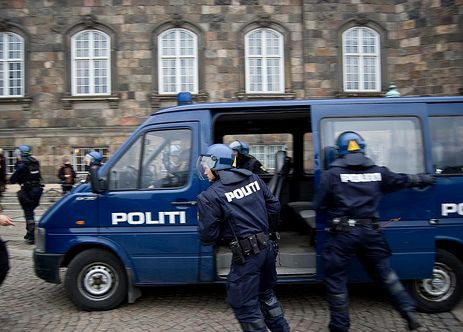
(91, 63)
(264, 61)
(361, 60)
(11, 65)
(178, 61)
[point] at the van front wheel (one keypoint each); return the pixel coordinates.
(442, 292)
(96, 280)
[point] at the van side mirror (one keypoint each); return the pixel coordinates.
(98, 184)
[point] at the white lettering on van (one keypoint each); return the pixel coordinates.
(243, 191)
(147, 218)
(365, 177)
(450, 208)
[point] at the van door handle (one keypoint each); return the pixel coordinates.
(184, 203)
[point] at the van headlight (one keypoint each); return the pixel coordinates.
(40, 239)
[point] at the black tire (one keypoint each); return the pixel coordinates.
(443, 291)
(96, 280)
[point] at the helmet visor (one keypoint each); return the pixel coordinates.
(204, 163)
(88, 159)
(17, 153)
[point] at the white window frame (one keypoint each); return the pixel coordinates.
(177, 57)
(264, 57)
(92, 59)
(361, 59)
(8, 153)
(5, 62)
(267, 157)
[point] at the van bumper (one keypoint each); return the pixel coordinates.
(46, 266)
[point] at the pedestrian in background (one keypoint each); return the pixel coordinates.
(2, 172)
(4, 259)
(67, 175)
(349, 194)
(238, 208)
(242, 158)
(27, 175)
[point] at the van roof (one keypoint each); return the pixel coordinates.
(309, 102)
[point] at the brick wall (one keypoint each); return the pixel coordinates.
(422, 49)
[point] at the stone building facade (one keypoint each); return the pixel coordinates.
(420, 47)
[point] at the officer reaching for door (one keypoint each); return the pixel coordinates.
(237, 208)
(350, 192)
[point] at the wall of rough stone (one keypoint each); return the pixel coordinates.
(422, 52)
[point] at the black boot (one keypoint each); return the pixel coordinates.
(412, 320)
(30, 236)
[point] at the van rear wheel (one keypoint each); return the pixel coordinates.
(441, 292)
(96, 280)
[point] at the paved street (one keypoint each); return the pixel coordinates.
(30, 304)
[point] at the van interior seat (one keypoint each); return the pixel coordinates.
(305, 211)
(304, 208)
(282, 167)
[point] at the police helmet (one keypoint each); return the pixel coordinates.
(93, 158)
(174, 150)
(23, 151)
(218, 157)
(350, 142)
(240, 147)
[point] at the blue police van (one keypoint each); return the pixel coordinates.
(134, 224)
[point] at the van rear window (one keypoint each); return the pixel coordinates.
(447, 144)
(394, 142)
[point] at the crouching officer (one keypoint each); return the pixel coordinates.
(27, 174)
(237, 208)
(351, 207)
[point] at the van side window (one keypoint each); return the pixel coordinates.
(164, 162)
(308, 154)
(392, 142)
(447, 144)
(166, 159)
(124, 174)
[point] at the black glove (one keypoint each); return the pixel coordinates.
(421, 180)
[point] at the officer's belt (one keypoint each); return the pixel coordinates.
(252, 244)
(31, 184)
(344, 223)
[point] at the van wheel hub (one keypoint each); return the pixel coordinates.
(98, 280)
(442, 284)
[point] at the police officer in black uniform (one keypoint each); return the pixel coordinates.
(350, 192)
(238, 208)
(27, 174)
(242, 158)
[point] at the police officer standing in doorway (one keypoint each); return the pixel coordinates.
(350, 192)
(93, 159)
(242, 158)
(27, 174)
(239, 209)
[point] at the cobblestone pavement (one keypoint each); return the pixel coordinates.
(30, 304)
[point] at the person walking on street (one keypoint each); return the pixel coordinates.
(2, 172)
(4, 259)
(349, 194)
(27, 174)
(67, 175)
(242, 158)
(238, 208)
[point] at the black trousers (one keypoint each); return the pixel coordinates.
(4, 261)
